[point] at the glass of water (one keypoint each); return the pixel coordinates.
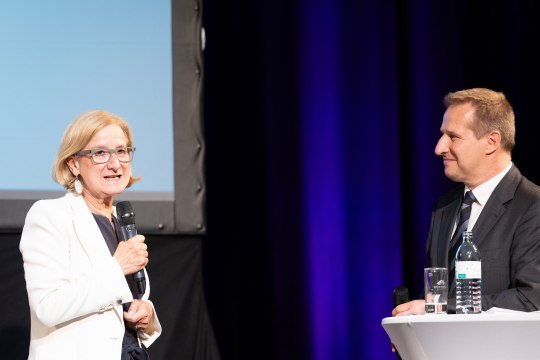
(436, 290)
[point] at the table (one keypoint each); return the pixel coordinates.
(497, 334)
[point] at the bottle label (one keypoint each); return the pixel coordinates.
(468, 270)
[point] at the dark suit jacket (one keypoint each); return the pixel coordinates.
(507, 234)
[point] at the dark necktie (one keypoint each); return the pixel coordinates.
(457, 239)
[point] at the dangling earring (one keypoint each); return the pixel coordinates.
(78, 186)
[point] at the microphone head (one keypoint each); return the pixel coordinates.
(125, 213)
(400, 296)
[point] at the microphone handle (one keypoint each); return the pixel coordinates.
(400, 296)
(129, 231)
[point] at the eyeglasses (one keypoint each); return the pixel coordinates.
(102, 156)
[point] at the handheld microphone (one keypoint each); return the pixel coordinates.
(400, 296)
(126, 219)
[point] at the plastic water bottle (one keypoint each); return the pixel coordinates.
(468, 277)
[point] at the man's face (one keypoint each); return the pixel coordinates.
(464, 155)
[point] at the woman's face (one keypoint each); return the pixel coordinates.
(103, 181)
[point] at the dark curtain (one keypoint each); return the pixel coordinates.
(15, 322)
(175, 273)
(321, 119)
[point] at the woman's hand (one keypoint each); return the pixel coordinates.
(132, 255)
(140, 316)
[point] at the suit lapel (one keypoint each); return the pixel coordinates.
(488, 218)
(495, 206)
(448, 214)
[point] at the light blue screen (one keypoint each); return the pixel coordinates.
(60, 58)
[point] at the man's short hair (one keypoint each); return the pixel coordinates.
(492, 112)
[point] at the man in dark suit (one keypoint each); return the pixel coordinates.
(477, 138)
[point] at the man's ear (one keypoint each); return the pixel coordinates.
(73, 166)
(493, 141)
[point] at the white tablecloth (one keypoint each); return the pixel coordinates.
(497, 334)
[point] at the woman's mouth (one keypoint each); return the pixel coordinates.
(112, 177)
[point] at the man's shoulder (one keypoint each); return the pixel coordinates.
(515, 179)
(529, 188)
(516, 188)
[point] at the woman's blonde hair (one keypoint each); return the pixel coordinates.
(79, 133)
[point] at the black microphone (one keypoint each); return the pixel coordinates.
(400, 296)
(126, 219)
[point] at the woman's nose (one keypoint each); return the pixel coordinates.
(113, 162)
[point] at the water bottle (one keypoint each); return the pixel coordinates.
(468, 277)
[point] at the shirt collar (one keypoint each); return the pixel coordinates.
(483, 191)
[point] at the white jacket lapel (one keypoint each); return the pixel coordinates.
(87, 229)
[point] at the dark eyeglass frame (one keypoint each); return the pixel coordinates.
(91, 152)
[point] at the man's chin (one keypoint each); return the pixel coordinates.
(452, 175)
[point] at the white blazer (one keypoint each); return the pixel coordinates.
(75, 287)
